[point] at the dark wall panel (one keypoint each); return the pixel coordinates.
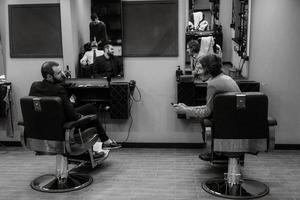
(35, 31)
(150, 28)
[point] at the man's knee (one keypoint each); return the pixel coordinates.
(87, 109)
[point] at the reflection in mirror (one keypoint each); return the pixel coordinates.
(203, 32)
(102, 55)
(240, 15)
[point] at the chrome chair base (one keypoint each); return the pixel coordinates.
(51, 183)
(247, 189)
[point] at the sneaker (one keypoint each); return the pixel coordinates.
(111, 145)
(97, 147)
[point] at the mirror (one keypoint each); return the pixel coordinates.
(240, 15)
(101, 56)
(220, 27)
(203, 31)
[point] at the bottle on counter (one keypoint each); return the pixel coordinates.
(67, 72)
(179, 72)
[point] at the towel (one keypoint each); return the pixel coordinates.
(198, 17)
(206, 46)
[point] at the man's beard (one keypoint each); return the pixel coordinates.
(55, 80)
(110, 54)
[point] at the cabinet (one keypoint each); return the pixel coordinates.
(194, 93)
(116, 96)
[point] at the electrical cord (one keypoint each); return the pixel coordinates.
(131, 121)
(131, 100)
(140, 96)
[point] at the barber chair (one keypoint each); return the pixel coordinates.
(47, 133)
(240, 125)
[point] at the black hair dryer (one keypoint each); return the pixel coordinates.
(178, 73)
(67, 72)
(132, 84)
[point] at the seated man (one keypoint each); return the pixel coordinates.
(52, 86)
(89, 57)
(209, 66)
(108, 64)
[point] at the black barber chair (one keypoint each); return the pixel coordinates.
(239, 125)
(47, 133)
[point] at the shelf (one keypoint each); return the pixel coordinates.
(94, 100)
(200, 33)
(202, 10)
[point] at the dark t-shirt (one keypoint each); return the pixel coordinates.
(47, 88)
(112, 66)
(98, 31)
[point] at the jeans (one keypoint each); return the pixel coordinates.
(89, 109)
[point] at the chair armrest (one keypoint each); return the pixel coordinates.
(81, 121)
(88, 138)
(272, 121)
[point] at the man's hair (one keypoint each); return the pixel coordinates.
(194, 46)
(211, 64)
(94, 16)
(106, 46)
(94, 44)
(87, 46)
(47, 68)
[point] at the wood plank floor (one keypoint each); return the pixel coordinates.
(142, 174)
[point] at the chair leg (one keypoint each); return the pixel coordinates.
(208, 139)
(233, 186)
(63, 180)
(233, 177)
(61, 167)
(93, 163)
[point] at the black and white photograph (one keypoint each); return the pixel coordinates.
(149, 99)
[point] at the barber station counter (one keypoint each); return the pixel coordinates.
(116, 95)
(194, 93)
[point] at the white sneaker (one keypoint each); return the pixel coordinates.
(97, 147)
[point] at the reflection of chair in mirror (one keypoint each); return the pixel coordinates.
(239, 125)
(47, 133)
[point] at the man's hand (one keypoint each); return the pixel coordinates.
(73, 98)
(180, 108)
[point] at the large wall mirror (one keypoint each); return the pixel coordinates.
(218, 26)
(101, 56)
(241, 25)
(203, 30)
